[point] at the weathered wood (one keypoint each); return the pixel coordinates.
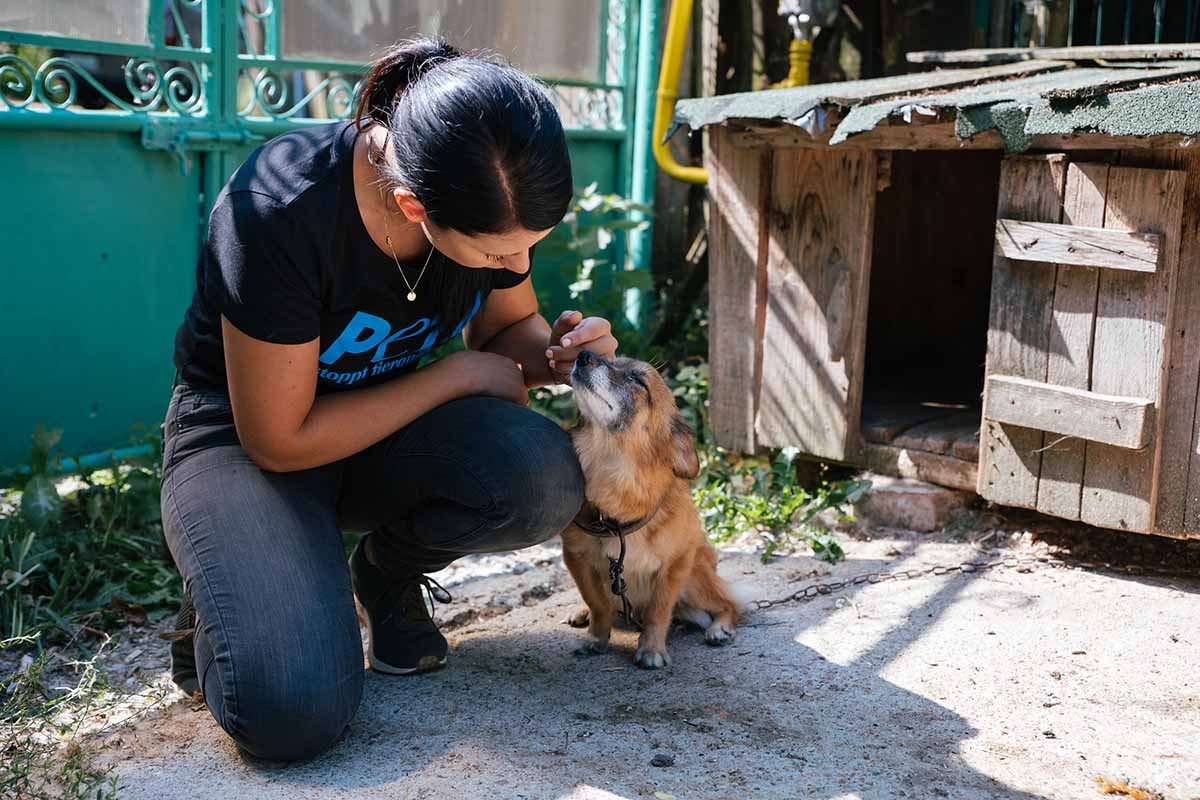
(1031, 188)
(821, 223)
(735, 184)
(939, 435)
(1060, 487)
(923, 135)
(1130, 344)
(919, 465)
(882, 422)
(1006, 55)
(966, 446)
(1178, 484)
(1072, 244)
(1126, 422)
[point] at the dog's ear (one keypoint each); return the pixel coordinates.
(684, 461)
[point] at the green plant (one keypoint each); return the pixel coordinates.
(44, 755)
(597, 270)
(95, 555)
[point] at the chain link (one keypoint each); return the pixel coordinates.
(1009, 562)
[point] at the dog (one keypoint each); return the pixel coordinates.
(638, 456)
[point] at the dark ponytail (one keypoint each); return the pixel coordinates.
(476, 140)
(395, 72)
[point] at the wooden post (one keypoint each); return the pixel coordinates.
(738, 179)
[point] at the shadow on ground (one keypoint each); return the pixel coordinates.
(961, 687)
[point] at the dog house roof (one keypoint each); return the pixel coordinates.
(1028, 96)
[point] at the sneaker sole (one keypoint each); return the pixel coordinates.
(426, 664)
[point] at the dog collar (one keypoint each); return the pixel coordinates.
(592, 520)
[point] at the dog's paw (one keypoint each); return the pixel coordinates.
(718, 634)
(579, 619)
(652, 659)
(593, 647)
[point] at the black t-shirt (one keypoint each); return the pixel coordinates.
(288, 259)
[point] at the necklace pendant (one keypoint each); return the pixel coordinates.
(412, 296)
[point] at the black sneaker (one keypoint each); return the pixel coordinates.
(401, 636)
(183, 653)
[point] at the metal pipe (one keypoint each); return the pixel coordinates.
(66, 466)
(642, 189)
(668, 81)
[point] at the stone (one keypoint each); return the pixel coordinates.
(909, 505)
(662, 760)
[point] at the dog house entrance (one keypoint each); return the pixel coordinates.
(927, 314)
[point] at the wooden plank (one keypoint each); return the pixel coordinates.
(882, 422)
(1069, 360)
(1130, 344)
(919, 465)
(1031, 188)
(821, 223)
(939, 435)
(1006, 55)
(736, 177)
(966, 446)
(1177, 505)
(1072, 244)
(1178, 484)
(1126, 422)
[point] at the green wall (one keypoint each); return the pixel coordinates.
(98, 242)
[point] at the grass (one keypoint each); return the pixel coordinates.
(75, 563)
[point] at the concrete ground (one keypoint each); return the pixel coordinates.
(1002, 684)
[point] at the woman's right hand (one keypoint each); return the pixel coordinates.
(490, 374)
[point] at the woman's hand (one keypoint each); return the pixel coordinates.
(571, 334)
(477, 372)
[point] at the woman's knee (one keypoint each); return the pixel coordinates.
(296, 718)
(540, 480)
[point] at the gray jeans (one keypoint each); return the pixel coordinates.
(278, 653)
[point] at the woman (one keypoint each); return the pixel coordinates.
(337, 257)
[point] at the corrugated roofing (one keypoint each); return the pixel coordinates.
(1019, 101)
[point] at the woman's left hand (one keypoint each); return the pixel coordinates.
(572, 333)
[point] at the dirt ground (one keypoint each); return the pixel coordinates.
(1009, 683)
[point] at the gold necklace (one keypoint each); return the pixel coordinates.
(412, 287)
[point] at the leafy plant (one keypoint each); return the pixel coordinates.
(96, 555)
(590, 261)
(40, 503)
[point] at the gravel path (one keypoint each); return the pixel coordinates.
(1004, 684)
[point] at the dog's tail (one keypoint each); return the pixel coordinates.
(744, 595)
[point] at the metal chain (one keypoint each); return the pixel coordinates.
(1010, 562)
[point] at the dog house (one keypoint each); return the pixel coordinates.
(986, 278)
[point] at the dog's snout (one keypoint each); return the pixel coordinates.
(584, 359)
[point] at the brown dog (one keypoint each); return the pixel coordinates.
(638, 456)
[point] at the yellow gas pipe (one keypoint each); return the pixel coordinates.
(668, 80)
(799, 58)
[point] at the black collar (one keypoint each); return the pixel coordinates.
(592, 520)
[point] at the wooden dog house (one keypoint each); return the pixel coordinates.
(986, 278)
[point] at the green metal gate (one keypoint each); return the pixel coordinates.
(113, 147)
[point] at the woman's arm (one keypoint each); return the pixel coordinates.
(509, 324)
(284, 427)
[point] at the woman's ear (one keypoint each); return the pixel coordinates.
(412, 208)
(684, 461)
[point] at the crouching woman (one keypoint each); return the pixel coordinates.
(339, 256)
